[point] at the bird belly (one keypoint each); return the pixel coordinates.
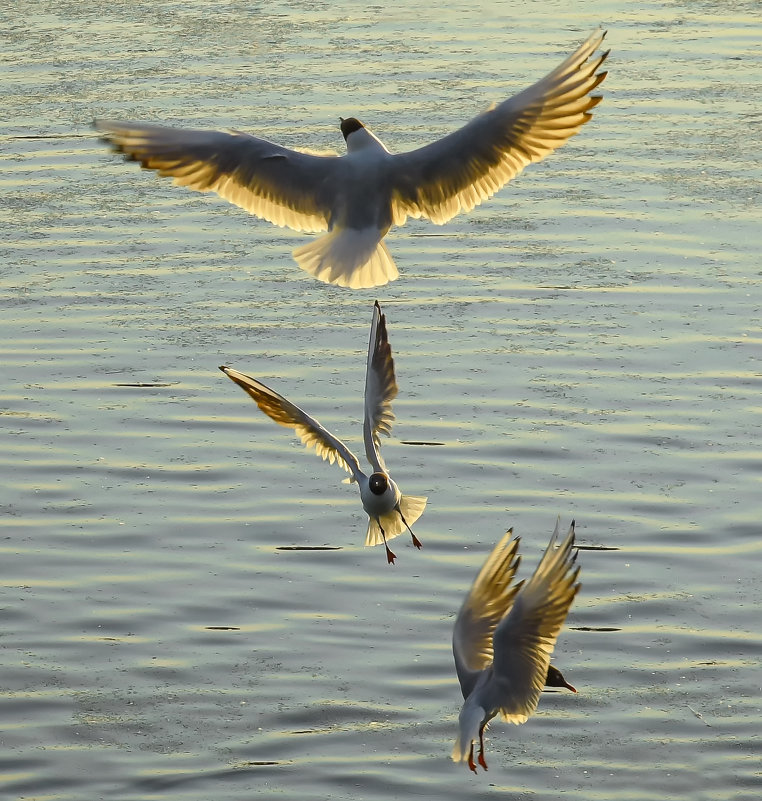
(380, 505)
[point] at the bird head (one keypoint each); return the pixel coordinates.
(378, 483)
(349, 126)
(556, 679)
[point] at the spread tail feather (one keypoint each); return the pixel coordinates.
(411, 506)
(460, 750)
(355, 258)
(469, 721)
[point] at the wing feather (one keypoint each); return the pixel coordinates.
(490, 597)
(461, 170)
(286, 187)
(285, 413)
(523, 642)
(380, 389)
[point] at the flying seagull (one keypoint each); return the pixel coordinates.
(358, 196)
(390, 512)
(504, 635)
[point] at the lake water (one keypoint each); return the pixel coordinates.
(587, 344)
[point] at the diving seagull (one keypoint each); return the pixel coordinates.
(358, 196)
(504, 635)
(390, 512)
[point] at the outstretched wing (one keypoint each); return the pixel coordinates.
(285, 413)
(285, 187)
(525, 639)
(469, 165)
(489, 599)
(380, 389)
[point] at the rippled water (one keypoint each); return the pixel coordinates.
(587, 344)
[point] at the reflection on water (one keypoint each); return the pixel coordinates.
(187, 610)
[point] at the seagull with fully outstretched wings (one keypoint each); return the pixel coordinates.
(504, 635)
(390, 512)
(358, 196)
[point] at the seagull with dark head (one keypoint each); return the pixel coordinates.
(390, 512)
(504, 635)
(359, 196)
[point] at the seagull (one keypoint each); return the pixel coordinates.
(504, 635)
(389, 511)
(358, 196)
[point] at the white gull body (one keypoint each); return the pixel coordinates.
(358, 196)
(390, 512)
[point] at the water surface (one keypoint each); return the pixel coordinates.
(587, 344)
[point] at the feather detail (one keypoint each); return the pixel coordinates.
(348, 257)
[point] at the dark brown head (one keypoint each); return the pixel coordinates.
(378, 483)
(350, 125)
(556, 679)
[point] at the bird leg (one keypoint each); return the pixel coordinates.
(416, 541)
(481, 748)
(390, 557)
(471, 758)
